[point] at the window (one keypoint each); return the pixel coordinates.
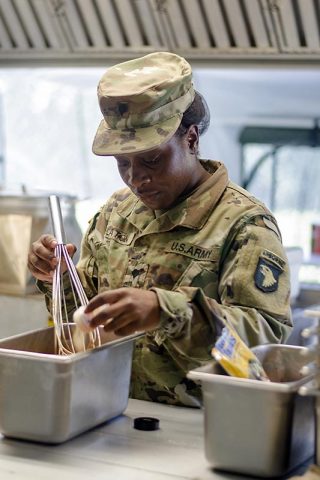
(49, 118)
(282, 168)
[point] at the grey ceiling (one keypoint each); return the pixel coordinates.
(93, 31)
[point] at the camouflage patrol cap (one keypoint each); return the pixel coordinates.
(142, 102)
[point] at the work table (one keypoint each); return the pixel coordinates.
(116, 450)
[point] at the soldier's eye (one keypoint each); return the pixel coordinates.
(122, 164)
(152, 161)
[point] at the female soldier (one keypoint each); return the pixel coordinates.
(183, 249)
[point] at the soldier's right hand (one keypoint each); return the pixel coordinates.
(41, 259)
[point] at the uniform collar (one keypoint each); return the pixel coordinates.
(192, 212)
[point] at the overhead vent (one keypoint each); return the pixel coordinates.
(202, 29)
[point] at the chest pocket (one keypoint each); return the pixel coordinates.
(201, 274)
(195, 266)
(135, 275)
(112, 258)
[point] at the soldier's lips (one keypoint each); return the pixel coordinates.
(147, 195)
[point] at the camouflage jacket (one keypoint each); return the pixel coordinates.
(217, 255)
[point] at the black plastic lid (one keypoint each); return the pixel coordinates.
(146, 423)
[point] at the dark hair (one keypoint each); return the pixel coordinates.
(196, 114)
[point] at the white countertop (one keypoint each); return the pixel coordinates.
(117, 451)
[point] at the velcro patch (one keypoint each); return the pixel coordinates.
(267, 275)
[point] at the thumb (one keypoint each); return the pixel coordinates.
(71, 248)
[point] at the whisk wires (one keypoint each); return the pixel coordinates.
(68, 338)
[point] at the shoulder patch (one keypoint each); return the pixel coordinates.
(267, 275)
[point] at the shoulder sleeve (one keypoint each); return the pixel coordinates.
(255, 274)
(253, 295)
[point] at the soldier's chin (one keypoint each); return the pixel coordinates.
(154, 205)
(153, 201)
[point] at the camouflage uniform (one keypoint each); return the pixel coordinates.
(216, 255)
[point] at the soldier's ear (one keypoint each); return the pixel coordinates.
(193, 139)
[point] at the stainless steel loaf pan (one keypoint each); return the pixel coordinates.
(258, 428)
(51, 398)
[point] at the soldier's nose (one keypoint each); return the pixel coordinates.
(137, 177)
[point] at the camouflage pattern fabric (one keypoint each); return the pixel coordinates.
(142, 102)
(216, 256)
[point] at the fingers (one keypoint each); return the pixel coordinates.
(124, 310)
(99, 315)
(121, 324)
(44, 247)
(116, 323)
(109, 297)
(71, 248)
(40, 269)
(118, 305)
(109, 315)
(42, 260)
(110, 309)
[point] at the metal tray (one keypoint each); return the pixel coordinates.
(50, 398)
(258, 428)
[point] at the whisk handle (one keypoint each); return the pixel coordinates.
(56, 219)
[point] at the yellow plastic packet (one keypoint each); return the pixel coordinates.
(236, 358)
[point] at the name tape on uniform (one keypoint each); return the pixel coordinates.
(192, 251)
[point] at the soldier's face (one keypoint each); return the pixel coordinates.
(160, 177)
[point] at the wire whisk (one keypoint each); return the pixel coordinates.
(69, 338)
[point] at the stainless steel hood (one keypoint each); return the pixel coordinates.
(209, 31)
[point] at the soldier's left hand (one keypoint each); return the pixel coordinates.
(125, 311)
